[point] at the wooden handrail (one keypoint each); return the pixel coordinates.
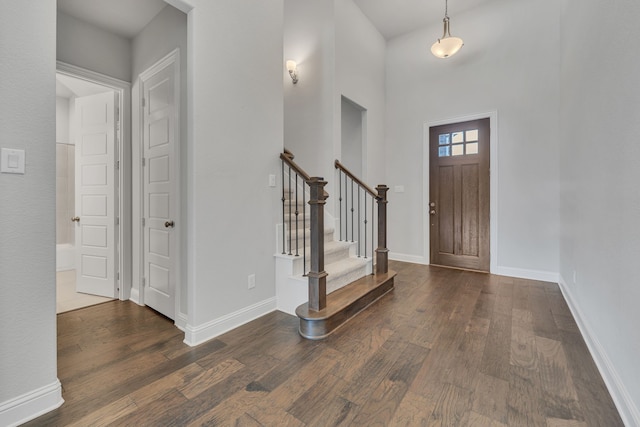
(355, 179)
(287, 157)
(288, 153)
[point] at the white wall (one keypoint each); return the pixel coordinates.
(360, 76)
(340, 53)
(599, 176)
(92, 48)
(513, 70)
(236, 106)
(309, 39)
(28, 382)
(166, 32)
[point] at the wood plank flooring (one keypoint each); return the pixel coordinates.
(445, 348)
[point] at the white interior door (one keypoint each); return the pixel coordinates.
(95, 201)
(159, 128)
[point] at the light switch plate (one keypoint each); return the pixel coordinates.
(12, 161)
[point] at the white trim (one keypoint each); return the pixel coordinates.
(522, 273)
(628, 409)
(172, 59)
(135, 296)
(123, 89)
(195, 335)
(182, 5)
(415, 259)
(92, 76)
(181, 321)
(493, 181)
(31, 405)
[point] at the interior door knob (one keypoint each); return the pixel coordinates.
(75, 219)
(169, 224)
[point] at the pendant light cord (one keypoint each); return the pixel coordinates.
(446, 8)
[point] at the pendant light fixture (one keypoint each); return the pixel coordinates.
(447, 45)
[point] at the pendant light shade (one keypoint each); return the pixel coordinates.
(447, 45)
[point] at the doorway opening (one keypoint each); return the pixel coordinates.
(353, 137)
(88, 191)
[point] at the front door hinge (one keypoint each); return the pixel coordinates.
(144, 162)
(144, 281)
(117, 164)
(117, 220)
(118, 275)
(143, 222)
(144, 102)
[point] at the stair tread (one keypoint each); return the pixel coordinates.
(337, 269)
(329, 247)
(341, 299)
(345, 265)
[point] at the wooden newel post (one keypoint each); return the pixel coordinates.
(382, 253)
(317, 275)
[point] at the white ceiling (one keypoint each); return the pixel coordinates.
(123, 17)
(395, 17)
(391, 17)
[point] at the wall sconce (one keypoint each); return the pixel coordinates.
(293, 70)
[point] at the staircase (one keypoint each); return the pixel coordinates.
(342, 264)
(324, 278)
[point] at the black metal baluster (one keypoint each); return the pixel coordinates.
(304, 231)
(359, 212)
(340, 199)
(346, 195)
(283, 200)
(373, 226)
(365, 225)
(297, 212)
(289, 210)
(352, 211)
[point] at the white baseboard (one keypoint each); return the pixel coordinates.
(181, 321)
(628, 409)
(31, 405)
(135, 296)
(544, 276)
(415, 259)
(195, 335)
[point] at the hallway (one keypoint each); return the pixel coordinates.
(446, 347)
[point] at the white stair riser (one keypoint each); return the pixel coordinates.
(330, 256)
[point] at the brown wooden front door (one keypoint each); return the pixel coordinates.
(459, 194)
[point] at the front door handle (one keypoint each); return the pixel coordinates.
(432, 212)
(75, 219)
(169, 224)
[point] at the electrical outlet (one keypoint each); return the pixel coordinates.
(251, 281)
(272, 180)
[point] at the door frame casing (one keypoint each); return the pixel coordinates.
(123, 159)
(172, 59)
(493, 182)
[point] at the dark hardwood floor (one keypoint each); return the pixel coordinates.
(445, 348)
